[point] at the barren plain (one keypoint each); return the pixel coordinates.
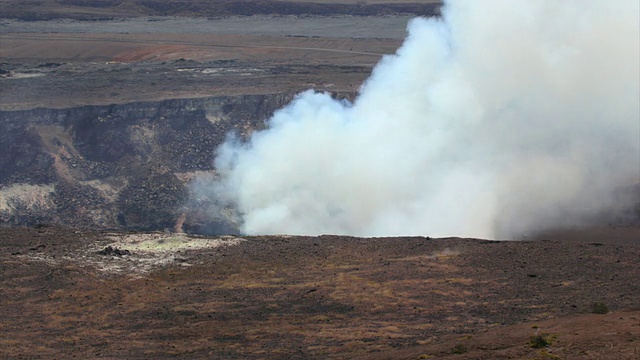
(291, 297)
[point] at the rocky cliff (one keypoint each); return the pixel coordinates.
(119, 166)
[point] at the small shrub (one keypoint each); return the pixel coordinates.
(599, 308)
(542, 340)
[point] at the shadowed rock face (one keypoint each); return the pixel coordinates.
(118, 166)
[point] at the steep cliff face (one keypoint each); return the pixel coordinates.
(119, 166)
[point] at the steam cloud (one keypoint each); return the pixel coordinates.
(500, 118)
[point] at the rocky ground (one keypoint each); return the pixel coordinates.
(70, 293)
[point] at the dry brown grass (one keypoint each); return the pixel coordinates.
(329, 297)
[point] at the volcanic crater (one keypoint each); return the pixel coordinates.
(109, 111)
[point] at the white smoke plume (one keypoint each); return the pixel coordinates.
(501, 117)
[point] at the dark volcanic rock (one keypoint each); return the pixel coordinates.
(113, 251)
(152, 202)
(121, 165)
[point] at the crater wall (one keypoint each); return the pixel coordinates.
(119, 166)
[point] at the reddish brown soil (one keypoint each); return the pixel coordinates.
(322, 297)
